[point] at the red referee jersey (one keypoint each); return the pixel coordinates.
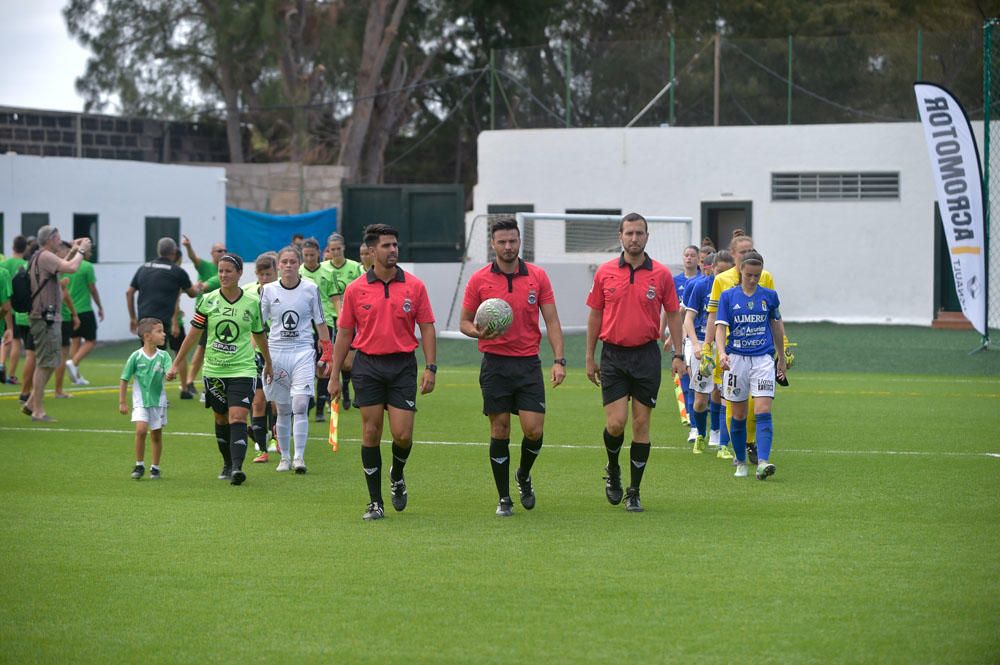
(631, 300)
(524, 290)
(385, 313)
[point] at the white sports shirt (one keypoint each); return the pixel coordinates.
(291, 313)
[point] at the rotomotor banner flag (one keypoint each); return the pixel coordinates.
(959, 182)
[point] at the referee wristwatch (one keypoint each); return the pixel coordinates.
(559, 361)
(432, 368)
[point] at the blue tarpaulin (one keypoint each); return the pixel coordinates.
(249, 233)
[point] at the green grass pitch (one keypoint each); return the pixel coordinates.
(876, 541)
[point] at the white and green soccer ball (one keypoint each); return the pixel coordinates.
(494, 315)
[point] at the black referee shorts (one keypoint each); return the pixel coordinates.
(511, 384)
(630, 371)
(389, 379)
(222, 393)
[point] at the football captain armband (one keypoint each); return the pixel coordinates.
(327, 351)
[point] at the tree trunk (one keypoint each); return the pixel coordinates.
(380, 33)
(234, 135)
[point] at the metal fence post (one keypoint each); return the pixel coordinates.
(673, 117)
(790, 86)
(493, 82)
(569, 77)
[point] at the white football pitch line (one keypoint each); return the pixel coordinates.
(481, 444)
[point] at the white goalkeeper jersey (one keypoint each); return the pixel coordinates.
(292, 313)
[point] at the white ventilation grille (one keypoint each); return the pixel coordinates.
(834, 186)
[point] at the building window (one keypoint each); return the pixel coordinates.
(160, 227)
(872, 186)
(32, 221)
(85, 226)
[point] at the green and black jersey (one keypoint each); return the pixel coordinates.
(229, 352)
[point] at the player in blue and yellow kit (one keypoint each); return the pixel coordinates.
(691, 272)
(748, 330)
(698, 293)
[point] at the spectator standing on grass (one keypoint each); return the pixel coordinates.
(83, 290)
(20, 339)
(511, 372)
(46, 313)
(231, 317)
(147, 368)
(384, 307)
(625, 302)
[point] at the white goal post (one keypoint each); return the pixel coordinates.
(569, 247)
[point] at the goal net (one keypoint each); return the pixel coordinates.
(569, 247)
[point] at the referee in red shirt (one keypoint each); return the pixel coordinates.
(511, 372)
(377, 317)
(625, 303)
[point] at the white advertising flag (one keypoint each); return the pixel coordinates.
(959, 183)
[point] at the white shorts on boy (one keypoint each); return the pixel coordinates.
(156, 416)
(748, 376)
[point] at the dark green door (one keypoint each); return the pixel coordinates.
(430, 218)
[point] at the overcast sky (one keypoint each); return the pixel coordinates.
(40, 61)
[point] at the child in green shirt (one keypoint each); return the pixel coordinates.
(147, 368)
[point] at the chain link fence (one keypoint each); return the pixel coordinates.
(793, 80)
(991, 164)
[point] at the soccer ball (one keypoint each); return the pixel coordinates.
(494, 314)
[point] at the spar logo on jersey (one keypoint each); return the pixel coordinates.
(226, 334)
(532, 297)
(651, 293)
(290, 323)
(407, 305)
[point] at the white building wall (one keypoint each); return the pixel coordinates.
(831, 260)
(122, 194)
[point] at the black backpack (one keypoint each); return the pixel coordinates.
(21, 296)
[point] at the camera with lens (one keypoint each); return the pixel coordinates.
(49, 314)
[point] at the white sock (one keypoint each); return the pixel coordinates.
(300, 432)
(713, 437)
(283, 428)
(154, 466)
(140, 463)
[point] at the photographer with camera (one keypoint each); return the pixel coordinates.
(45, 315)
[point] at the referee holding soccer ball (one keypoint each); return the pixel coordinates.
(625, 303)
(378, 316)
(511, 374)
